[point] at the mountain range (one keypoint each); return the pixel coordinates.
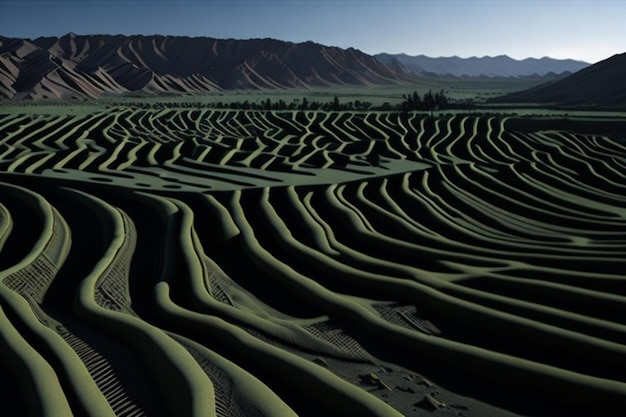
(90, 66)
(498, 66)
(74, 66)
(601, 86)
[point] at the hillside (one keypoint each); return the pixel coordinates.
(601, 85)
(499, 66)
(90, 66)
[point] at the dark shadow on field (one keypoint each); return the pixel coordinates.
(574, 302)
(88, 239)
(27, 227)
(120, 372)
(147, 260)
(488, 388)
(232, 257)
(245, 268)
(87, 248)
(11, 402)
(614, 129)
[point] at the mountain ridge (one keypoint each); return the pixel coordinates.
(93, 65)
(600, 86)
(486, 66)
(90, 66)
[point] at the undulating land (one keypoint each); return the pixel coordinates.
(201, 262)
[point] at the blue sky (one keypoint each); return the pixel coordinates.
(589, 30)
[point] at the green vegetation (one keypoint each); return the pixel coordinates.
(461, 91)
(280, 257)
(411, 102)
(429, 102)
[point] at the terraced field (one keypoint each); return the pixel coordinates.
(240, 263)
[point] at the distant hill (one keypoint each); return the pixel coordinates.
(90, 66)
(499, 66)
(602, 85)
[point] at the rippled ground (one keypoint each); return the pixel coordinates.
(242, 263)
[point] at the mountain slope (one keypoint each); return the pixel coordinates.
(601, 85)
(89, 66)
(499, 66)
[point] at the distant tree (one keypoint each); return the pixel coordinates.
(417, 101)
(430, 102)
(407, 104)
(411, 102)
(362, 105)
(305, 104)
(441, 101)
(315, 105)
(335, 106)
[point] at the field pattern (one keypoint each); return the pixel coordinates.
(250, 263)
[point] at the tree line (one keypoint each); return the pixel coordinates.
(410, 102)
(305, 104)
(429, 101)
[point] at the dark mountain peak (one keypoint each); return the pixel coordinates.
(615, 58)
(601, 85)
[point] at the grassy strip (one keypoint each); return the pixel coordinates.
(228, 228)
(331, 391)
(190, 255)
(185, 387)
(6, 225)
(306, 256)
(47, 230)
(524, 374)
(550, 296)
(461, 141)
(462, 185)
(326, 389)
(575, 198)
(499, 143)
(478, 217)
(558, 317)
(595, 174)
(505, 304)
(54, 240)
(70, 368)
(254, 391)
(32, 157)
(36, 379)
(36, 127)
(318, 230)
(72, 372)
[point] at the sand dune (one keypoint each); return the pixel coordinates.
(248, 263)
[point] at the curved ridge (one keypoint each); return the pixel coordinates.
(265, 263)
